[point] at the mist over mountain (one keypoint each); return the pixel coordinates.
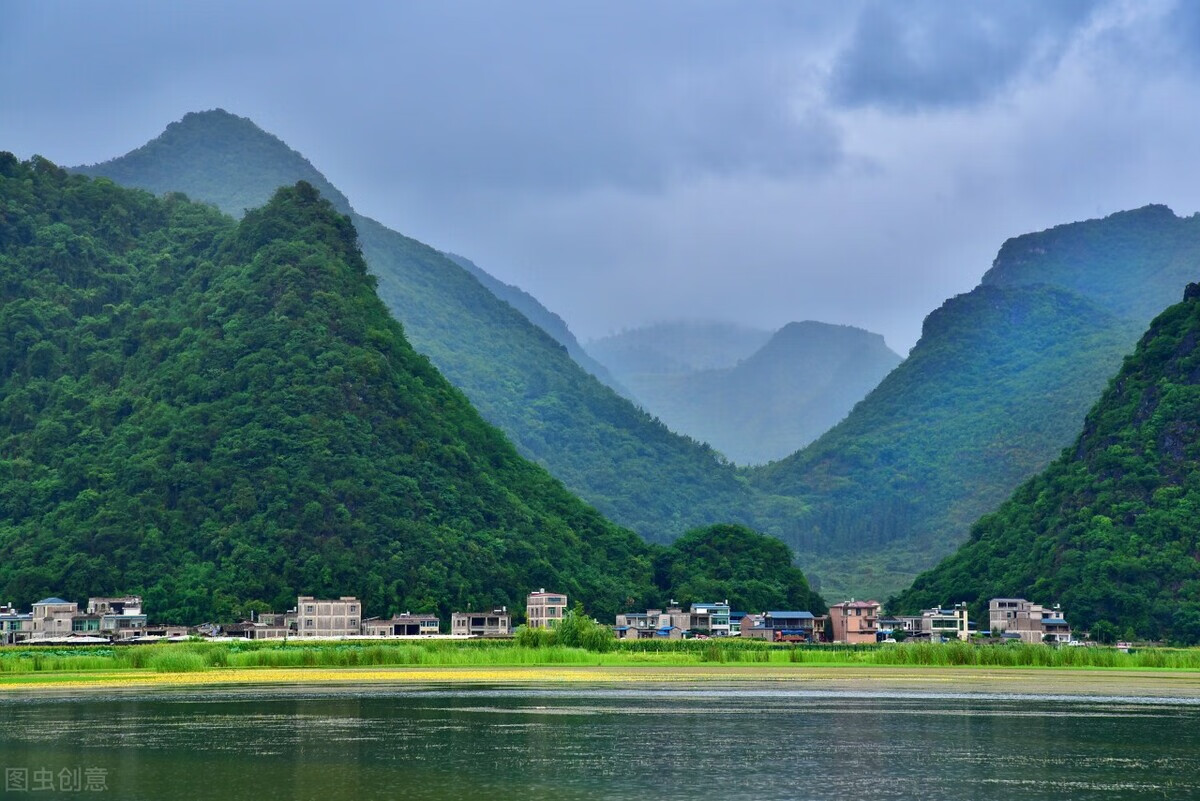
(771, 402)
(676, 347)
(516, 374)
(1109, 528)
(997, 385)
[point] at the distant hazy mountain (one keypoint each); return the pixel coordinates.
(1110, 528)
(518, 376)
(676, 347)
(997, 385)
(540, 316)
(771, 403)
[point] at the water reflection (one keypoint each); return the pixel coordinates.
(654, 742)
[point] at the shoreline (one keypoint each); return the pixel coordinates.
(1025, 681)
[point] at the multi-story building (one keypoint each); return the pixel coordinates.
(545, 610)
(124, 612)
(328, 618)
(940, 622)
(711, 619)
(496, 623)
(52, 618)
(632, 625)
(14, 626)
(784, 626)
(854, 621)
(405, 625)
(703, 618)
(1033, 623)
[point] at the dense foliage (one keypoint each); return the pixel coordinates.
(779, 398)
(217, 415)
(209, 414)
(727, 562)
(997, 385)
(520, 379)
(1109, 529)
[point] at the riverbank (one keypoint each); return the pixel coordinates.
(1031, 681)
(962, 666)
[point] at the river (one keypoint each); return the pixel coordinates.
(655, 742)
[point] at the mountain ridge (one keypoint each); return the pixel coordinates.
(516, 374)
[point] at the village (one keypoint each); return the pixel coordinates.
(123, 619)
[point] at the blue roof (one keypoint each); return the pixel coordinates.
(52, 601)
(790, 614)
(1054, 620)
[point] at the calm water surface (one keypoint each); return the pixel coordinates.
(640, 742)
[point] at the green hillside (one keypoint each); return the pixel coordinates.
(794, 388)
(602, 447)
(217, 414)
(1111, 530)
(997, 385)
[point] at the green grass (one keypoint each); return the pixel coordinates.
(198, 656)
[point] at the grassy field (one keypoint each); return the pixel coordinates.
(198, 657)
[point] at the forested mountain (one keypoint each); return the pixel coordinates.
(217, 414)
(519, 378)
(683, 346)
(997, 385)
(540, 316)
(1112, 528)
(794, 388)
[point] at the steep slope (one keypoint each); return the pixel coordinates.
(996, 386)
(615, 456)
(805, 379)
(540, 316)
(1110, 528)
(213, 414)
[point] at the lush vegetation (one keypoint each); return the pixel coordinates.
(18, 663)
(997, 385)
(727, 562)
(520, 379)
(212, 414)
(1109, 529)
(777, 399)
(220, 416)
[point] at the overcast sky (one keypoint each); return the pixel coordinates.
(633, 162)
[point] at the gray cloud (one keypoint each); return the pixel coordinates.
(936, 54)
(628, 162)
